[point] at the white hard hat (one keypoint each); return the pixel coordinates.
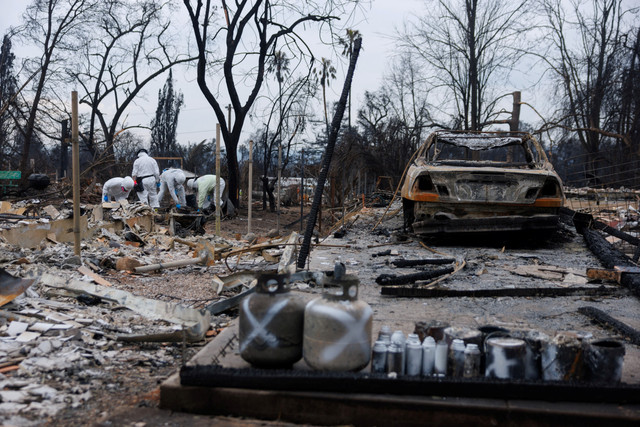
(127, 183)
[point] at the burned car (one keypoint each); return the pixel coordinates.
(481, 182)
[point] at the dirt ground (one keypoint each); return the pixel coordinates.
(126, 386)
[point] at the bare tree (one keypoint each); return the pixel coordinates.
(468, 45)
(48, 24)
(245, 33)
(587, 43)
(129, 46)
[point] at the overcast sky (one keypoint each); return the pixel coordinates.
(376, 23)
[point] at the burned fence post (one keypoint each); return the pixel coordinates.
(333, 136)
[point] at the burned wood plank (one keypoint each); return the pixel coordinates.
(392, 280)
(613, 275)
(425, 261)
(372, 383)
(411, 292)
(602, 318)
(611, 257)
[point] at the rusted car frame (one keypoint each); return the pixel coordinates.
(481, 182)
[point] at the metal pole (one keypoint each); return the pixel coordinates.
(217, 192)
(250, 195)
(76, 172)
(302, 190)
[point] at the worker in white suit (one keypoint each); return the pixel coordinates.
(145, 169)
(205, 186)
(117, 189)
(172, 182)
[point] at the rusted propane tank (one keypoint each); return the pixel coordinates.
(271, 324)
(337, 329)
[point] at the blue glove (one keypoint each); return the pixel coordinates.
(178, 206)
(106, 198)
(176, 192)
(158, 184)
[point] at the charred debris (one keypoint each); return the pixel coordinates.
(149, 294)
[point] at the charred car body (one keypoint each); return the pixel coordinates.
(481, 182)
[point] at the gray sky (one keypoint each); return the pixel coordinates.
(197, 121)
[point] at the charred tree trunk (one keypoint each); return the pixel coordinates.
(333, 136)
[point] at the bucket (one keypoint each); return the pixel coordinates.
(432, 328)
(603, 360)
(505, 358)
(561, 358)
(191, 201)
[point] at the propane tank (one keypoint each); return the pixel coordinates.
(271, 324)
(337, 329)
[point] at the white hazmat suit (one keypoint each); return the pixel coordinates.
(117, 189)
(145, 168)
(172, 181)
(206, 188)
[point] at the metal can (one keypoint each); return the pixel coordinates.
(337, 329)
(604, 360)
(561, 357)
(505, 358)
(385, 334)
(395, 359)
(379, 357)
(271, 323)
(471, 361)
(428, 356)
(413, 356)
(456, 358)
(398, 339)
(440, 360)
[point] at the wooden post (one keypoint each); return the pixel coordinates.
(217, 192)
(278, 186)
(76, 172)
(301, 189)
(250, 195)
(515, 114)
(514, 122)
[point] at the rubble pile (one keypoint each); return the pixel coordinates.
(82, 324)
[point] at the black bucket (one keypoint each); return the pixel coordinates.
(191, 201)
(603, 361)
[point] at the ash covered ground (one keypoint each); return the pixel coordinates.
(81, 371)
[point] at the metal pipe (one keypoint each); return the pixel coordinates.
(170, 264)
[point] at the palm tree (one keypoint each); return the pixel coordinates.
(347, 50)
(279, 63)
(324, 76)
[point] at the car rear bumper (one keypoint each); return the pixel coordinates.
(542, 222)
